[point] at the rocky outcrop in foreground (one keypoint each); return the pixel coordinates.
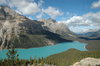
(88, 62)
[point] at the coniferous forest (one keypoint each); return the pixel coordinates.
(49, 32)
(66, 58)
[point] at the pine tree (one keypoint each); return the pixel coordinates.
(42, 61)
(35, 61)
(12, 55)
(31, 61)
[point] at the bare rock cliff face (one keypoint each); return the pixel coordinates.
(9, 25)
(21, 32)
(57, 27)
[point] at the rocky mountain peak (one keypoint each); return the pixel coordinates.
(21, 32)
(49, 21)
(6, 13)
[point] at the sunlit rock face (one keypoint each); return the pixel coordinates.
(88, 62)
(10, 28)
(7, 13)
(22, 32)
(13, 24)
(2, 16)
(9, 25)
(8, 31)
(56, 27)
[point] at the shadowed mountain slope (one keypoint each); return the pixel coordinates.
(21, 32)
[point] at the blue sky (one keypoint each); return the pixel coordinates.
(78, 7)
(69, 7)
(74, 6)
(83, 15)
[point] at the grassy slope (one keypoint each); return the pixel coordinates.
(71, 56)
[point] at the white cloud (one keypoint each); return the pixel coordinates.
(30, 7)
(40, 3)
(96, 4)
(78, 21)
(89, 30)
(94, 18)
(26, 7)
(2, 1)
(90, 20)
(53, 12)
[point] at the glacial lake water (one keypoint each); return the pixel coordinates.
(46, 51)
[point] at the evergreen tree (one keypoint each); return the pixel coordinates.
(12, 55)
(35, 61)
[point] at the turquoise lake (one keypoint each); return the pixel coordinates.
(46, 51)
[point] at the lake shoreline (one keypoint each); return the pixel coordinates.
(45, 46)
(46, 51)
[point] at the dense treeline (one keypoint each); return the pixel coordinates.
(66, 58)
(18, 62)
(71, 56)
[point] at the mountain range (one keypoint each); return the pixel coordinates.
(21, 32)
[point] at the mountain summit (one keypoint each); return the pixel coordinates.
(7, 13)
(18, 31)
